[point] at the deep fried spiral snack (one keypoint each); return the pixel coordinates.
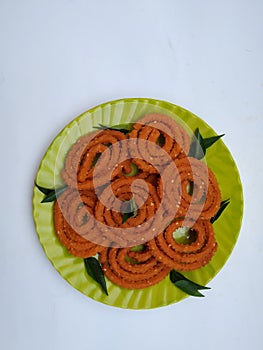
(164, 131)
(138, 188)
(80, 161)
(196, 186)
(189, 256)
(74, 221)
(116, 199)
(132, 270)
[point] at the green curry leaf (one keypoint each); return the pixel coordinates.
(95, 271)
(50, 194)
(200, 144)
(186, 285)
(124, 128)
(222, 207)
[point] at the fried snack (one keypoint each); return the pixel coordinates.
(115, 201)
(147, 175)
(189, 256)
(163, 131)
(80, 161)
(74, 221)
(196, 186)
(132, 270)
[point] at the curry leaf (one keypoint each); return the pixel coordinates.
(223, 206)
(188, 288)
(186, 285)
(200, 144)
(53, 194)
(132, 211)
(197, 147)
(209, 141)
(44, 190)
(124, 128)
(95, 271)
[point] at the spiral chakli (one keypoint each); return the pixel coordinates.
(187, 256)
(164, 132)
(74, 221)
(196, 186)
(82, 157)
(115, 200)
(132, 270)
(138, 188)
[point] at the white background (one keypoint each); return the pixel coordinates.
(59, 58)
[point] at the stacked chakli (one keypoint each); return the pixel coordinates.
(130, 218)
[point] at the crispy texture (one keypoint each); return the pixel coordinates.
(185, 257)
(163, 130)
(88, 213)
(196, 186)
(79, 164)
(113, 204)
(144, 270)
(70, 226)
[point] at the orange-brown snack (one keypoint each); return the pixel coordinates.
(187, 255)
(196, 186)
(137, 188)
(74, 222)
(116, 200)
(80, 160)
(163, 131)
(132, 270)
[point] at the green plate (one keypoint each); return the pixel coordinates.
(71, 268)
